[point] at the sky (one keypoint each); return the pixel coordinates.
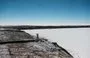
(52, 12)
(44, 11)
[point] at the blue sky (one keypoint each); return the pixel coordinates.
(44, 10)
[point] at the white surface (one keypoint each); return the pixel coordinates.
(76, 41)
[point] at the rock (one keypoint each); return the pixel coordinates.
(19, 44)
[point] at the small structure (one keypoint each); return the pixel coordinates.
(37, 36)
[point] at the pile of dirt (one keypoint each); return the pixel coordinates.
(19, 44)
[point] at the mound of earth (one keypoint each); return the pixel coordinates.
(19, 44)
